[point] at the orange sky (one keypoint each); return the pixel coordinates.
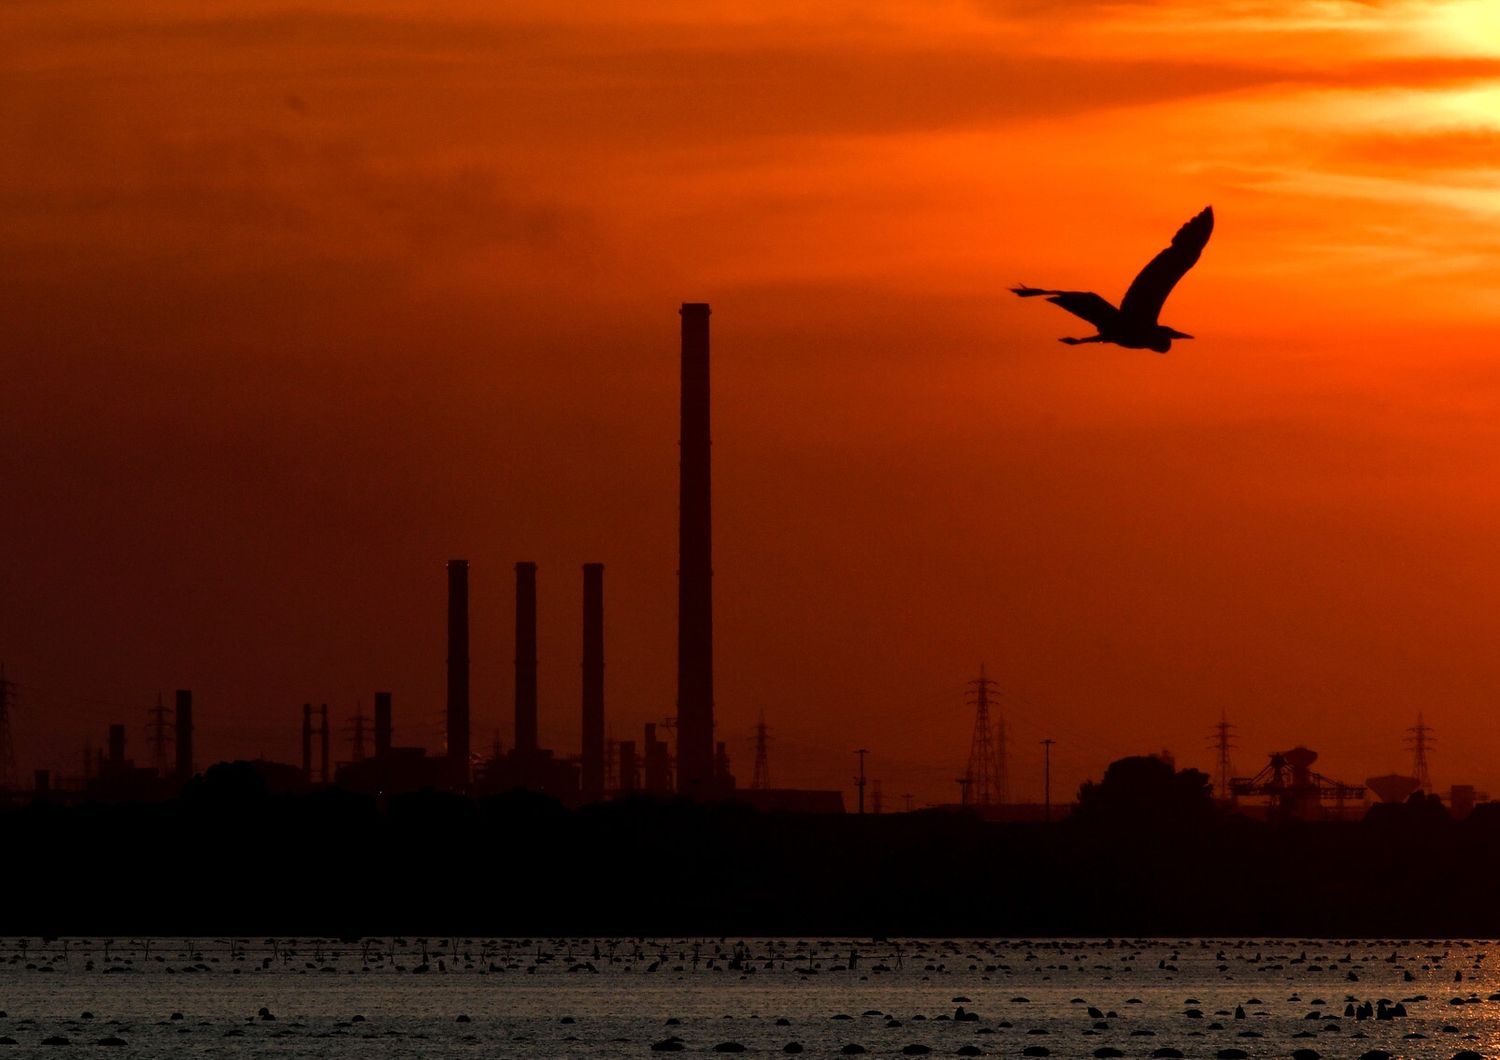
(301, 302)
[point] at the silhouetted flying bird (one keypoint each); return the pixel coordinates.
(1134, 325)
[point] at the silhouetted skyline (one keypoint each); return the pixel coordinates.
(370, 290)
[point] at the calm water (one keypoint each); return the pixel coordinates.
(618, 997)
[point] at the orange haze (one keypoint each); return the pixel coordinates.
(302, 301)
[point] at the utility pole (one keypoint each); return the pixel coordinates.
(964, 784)
(761, 779)
(906, 798)
(1222, 744)
(1420, 741)
(859, 781)
(1047, 780)
(7, 745)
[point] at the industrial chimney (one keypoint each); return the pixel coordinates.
(593, 682)
(526, 743)
(184, 719)
(695, 622)
(458, 669)
(382, 724)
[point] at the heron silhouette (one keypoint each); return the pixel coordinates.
(1134, 324)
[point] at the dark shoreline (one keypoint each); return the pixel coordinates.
(331, 863)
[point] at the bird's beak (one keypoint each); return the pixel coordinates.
(1180, 334)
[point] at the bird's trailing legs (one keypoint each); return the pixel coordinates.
(1079, 342)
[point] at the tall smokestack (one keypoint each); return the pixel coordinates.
(458, 669)
(593, 682)
(695, 618)
(382, 724)
(184, 719)
(525, 659)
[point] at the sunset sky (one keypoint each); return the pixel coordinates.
(299, 302)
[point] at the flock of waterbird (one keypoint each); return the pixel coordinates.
(545, 997)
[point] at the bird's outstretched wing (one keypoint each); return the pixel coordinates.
(1148, 293)
(1086, 304)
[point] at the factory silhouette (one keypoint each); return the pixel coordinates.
(413, 840)
(697, 767)
(677, 756)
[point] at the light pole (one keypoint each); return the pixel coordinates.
(859, 781)
(1047, 780)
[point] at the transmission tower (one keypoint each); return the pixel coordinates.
(761, 778)
(7, 746)
(1222, 744)
(356, 731)
(161, 735)
(981, 789)
(1420, 741)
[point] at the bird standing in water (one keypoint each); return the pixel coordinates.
(1134, 324)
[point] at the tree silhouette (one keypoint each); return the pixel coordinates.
(1144, 792)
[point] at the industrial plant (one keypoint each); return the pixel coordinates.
(697, 767)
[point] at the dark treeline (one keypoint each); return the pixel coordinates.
(1138, 859)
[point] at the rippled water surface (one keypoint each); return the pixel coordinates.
(542, 997)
